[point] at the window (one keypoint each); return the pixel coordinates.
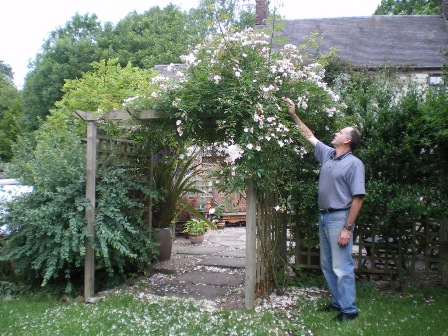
(435, 80)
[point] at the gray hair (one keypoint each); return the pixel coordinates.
(355, 136)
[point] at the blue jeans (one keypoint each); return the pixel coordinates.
(337, 262)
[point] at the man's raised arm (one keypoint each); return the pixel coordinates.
(304, 130)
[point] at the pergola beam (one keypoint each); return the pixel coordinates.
(117, 115)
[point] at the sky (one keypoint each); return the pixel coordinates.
(26, 24)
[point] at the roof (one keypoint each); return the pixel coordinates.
(374, 41)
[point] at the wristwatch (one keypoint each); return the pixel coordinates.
(348, 226)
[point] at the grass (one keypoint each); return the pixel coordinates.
(128, 315)
(420, 311)
(416, 311)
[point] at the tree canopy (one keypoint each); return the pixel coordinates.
(408, 7)
(10, 111)
(158, 36)
(48, 235)
(66, 54)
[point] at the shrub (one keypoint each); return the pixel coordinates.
(48, 226)
(403, 164)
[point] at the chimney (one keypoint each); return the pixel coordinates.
(261, 12)
(444, 8)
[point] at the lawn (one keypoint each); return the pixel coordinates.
(417, 311)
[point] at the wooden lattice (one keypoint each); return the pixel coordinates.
(306, 245)
(116, 152)
(396, 254)
(204, 182)
(414, 251)
(271, 242)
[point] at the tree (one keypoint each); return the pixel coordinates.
(6, 70)
(10, 129)
(404, 170)
(408, 7)
(217, 16)
(10, 111)
(66, 54)
(158, 36)
(231, 96)
(8, 91)
(47, 239)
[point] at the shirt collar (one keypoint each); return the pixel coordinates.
(340, 157)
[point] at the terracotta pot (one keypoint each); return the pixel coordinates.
(165, 244)
(196, 239)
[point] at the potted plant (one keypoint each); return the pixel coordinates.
(174, 178)
(216, 214)
(196, 230)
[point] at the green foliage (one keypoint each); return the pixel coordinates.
(435, 114)
(10, 126)
(217, 16)
(66, 54)
(174, 174)
(6, 71)
(10, 111)
(195, 227)
(232, 95)
(8, 92)
(403, 163)
(106, 88)
(158, 36)
(121, 237)
(48, 227)
(217, 211)
(112, 84)
(408, 7)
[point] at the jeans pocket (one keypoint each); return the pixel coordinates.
(339, 216)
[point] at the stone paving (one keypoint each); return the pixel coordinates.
(213, 270)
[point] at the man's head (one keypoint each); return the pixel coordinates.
(349, 136)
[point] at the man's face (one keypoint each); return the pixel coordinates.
(342, 137)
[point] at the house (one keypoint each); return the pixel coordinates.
(410, 42)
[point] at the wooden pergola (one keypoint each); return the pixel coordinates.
(263, 226)
(255, 269)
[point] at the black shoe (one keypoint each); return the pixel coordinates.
(328, 309)
(346, 317)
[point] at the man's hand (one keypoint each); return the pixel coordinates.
(304, 130)
(344, 237)
(292, 107)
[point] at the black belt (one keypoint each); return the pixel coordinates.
(330, 210)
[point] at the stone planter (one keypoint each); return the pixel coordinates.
(196, 239)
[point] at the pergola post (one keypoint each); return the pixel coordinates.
(89, 266)
(251, 247)
(91, 118)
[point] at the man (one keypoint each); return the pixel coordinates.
(340, 196)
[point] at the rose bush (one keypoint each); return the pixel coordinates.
(229, 95)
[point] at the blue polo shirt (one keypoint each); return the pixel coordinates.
(340, 179)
